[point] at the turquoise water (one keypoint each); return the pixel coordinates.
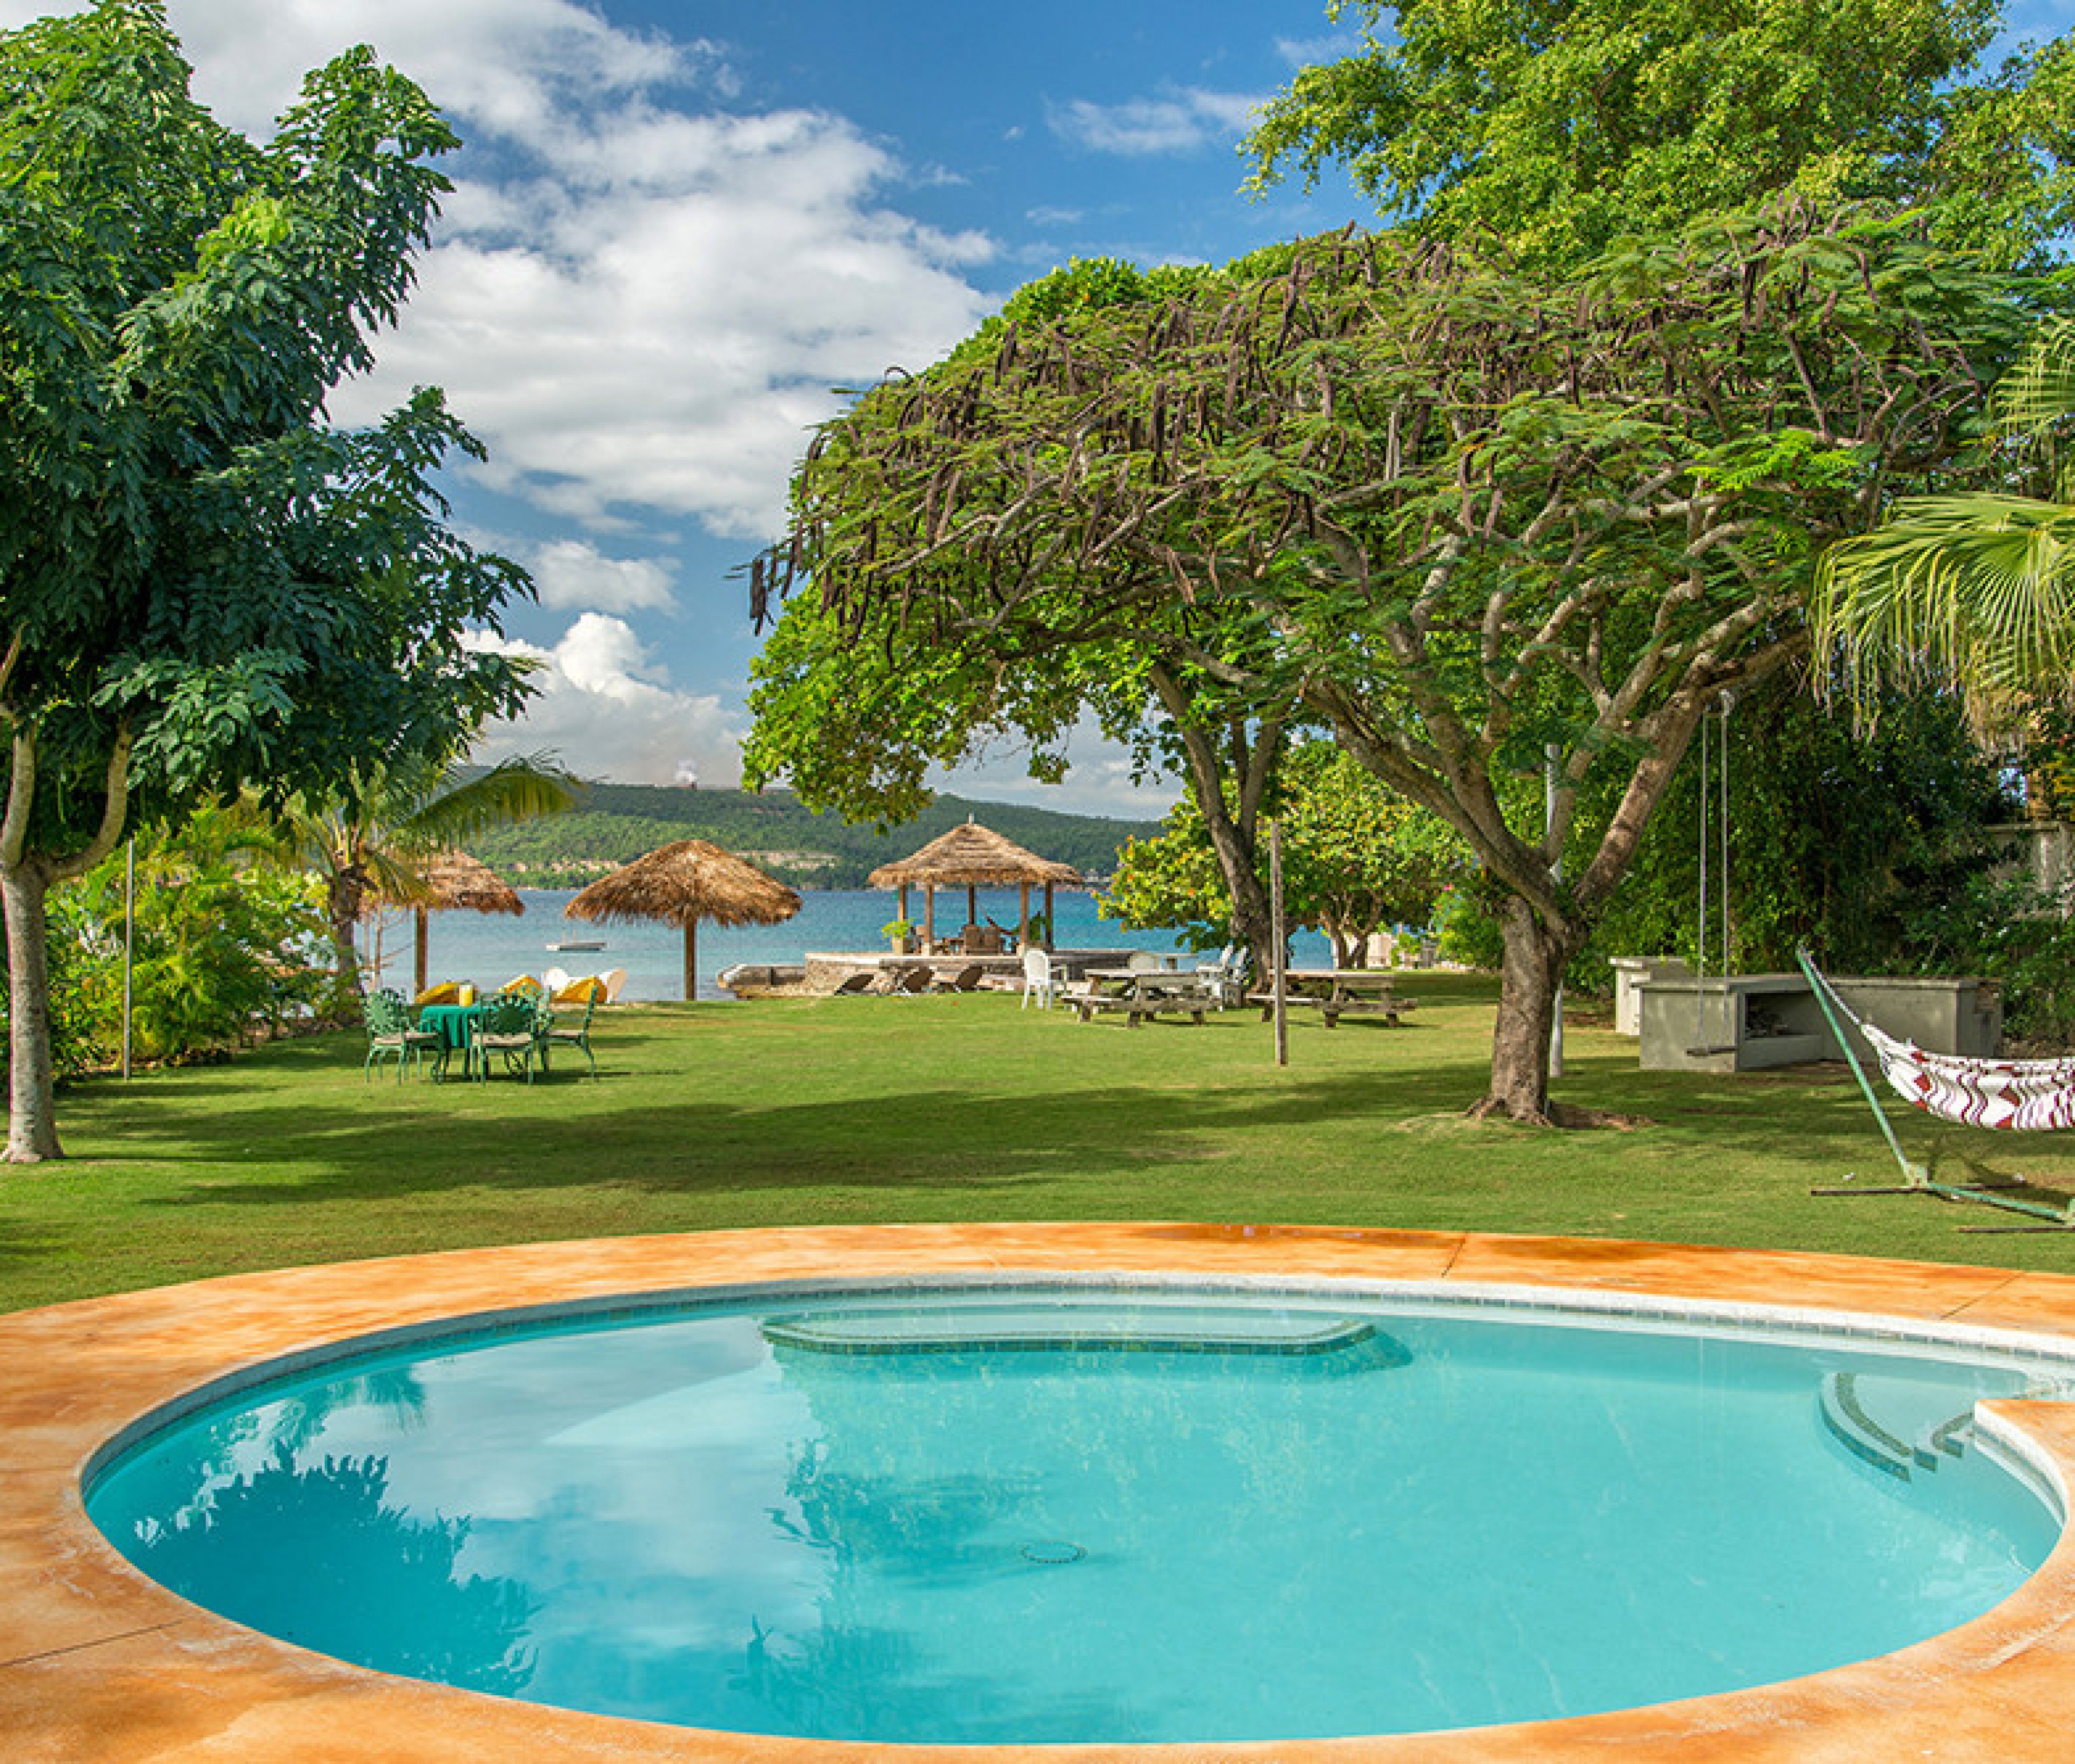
(1083, 1516)
(490, 949)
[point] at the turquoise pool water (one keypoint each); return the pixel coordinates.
(1072, 1514)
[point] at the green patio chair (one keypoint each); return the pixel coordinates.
(576, 1035)
(390, 1032)
(512, 1025)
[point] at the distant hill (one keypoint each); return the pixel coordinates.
(614, 823)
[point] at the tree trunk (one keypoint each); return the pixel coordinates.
(33, 1120)
(1535, 956)
(342, 896)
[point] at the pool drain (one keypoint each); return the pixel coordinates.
(1053, 1554)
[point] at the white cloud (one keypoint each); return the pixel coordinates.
(1098, 781)
(657, 321)
(608, 712)
(570, 574)
(1185, 121)
(640, 300)
(1311, 52)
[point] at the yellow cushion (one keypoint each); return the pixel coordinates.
(580, 991)
(446, 992)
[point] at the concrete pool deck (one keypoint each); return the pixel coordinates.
(97, 1663)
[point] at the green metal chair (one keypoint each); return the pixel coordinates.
(576, 1035)
(390, 1032)
(513, 1024)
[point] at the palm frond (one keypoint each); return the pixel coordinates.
(2040, 390)
(516, 789)
(1977, 592)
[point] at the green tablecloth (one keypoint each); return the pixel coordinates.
(452, 1023)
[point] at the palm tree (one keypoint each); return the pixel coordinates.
(1972, 591)
(369, 840)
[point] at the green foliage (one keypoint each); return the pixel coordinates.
(1859, 844)
(1972, 588)
(225, 951)
(1562, 125)
(1356, 858)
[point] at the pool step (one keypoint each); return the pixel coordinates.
(1895, 1424)
(1040, 1327)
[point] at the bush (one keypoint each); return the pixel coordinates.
(224, 952)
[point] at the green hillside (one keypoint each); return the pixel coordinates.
(616, 822)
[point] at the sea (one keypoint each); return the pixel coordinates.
(490, 949)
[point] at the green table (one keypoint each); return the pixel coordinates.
(455, 1026)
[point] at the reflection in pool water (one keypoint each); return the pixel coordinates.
(1060, 1516)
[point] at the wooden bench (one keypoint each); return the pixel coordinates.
(1332, 1010)
(1087, 1002)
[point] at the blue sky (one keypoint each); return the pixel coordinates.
(678, 227)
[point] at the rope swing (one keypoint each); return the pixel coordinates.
(1718, 774)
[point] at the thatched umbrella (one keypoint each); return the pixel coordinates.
(681, 885)
(974, 857)
(457, 879)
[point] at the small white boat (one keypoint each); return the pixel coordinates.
(578, 943)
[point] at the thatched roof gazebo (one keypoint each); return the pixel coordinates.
(456, 880)
(974, 857)
(681, 885)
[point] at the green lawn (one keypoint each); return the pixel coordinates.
(821, 1110)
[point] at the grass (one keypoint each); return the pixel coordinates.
(841, 1110)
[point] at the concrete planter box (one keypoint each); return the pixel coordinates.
(1748, 1021)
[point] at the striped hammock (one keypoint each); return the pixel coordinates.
(2024, 1095)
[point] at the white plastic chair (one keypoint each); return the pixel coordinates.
(1038, 981)
(614, 980)
(1144, 962)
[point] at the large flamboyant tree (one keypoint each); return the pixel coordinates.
(1481, 523)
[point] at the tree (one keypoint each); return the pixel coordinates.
(1356, 858)
(1973, 589)
(368, 839)
(852, 713)
(199, 583)
(1482, 517)
(1562, 125)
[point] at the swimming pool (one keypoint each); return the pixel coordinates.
(95, 1655)
(1158, 1512)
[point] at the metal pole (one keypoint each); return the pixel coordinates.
(129, 943)
(1556, 875)
(1277, 941)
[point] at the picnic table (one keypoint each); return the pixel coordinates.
(1139, 992)
(1336, 992)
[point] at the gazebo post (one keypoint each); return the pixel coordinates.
(972, 904)
(424, 939)
(1050, 928)
(1022, 913)
(691, 961)
(929, 918)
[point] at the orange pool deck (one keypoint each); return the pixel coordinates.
(97, 1663)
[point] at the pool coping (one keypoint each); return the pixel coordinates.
(97, 1662)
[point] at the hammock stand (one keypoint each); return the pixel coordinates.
(1916, 1179)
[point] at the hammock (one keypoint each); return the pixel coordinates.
(2018, 1095)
